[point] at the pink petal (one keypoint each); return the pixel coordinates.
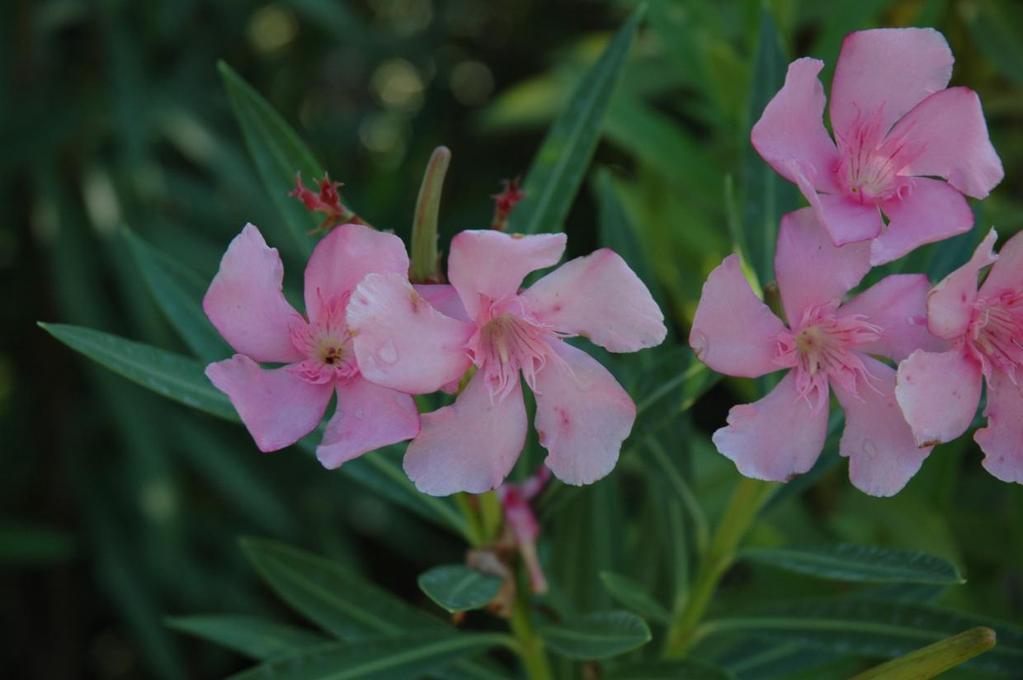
(444, 298)
(898, 304)
(367, 417)
(949, 129)
(790, 133)
(1002, 439)
(246, 304)
(343, 257)
(493, 264)
(733, 331)
(810, 269)
(887, 71)
(938, 394)
(582, 415)
(1007, 274)
(883, 456)
(931, 211)
(950, 303)
(775, 438)
(600, 298)
(277, 406)
(400, 340)
(471, 445)
(846, 220)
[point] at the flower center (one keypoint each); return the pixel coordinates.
(327, 346)
(825, 348)
(995, 336)
(506, 343)
(871, 160)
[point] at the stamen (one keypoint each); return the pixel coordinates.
(872, 160)
(824, 349)
(995, 337)
(509, 342)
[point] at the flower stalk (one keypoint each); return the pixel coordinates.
(531, 647)
(748, 498)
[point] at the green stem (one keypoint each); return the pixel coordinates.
(424, 225)
(746, 501)
(531, 647)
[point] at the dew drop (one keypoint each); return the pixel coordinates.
(916, 320)
(869, 448)
(387, 353)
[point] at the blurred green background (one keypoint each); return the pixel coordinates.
(118, 508)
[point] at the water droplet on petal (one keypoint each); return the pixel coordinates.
(916, 320)
(869, 448)
(387, 353)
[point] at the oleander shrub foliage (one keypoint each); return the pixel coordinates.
(701, 393)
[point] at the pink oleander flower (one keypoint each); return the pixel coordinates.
(897, 128)
(521, 525)
(281, 405)
(827, 346)
(939, 392)
(582, 413)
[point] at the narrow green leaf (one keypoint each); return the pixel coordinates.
(277, 151)
(935, 659)
(178, 292)
(869, 628)
(765, 195)
(633, 596)
(618, 233)
(600, 635)
(381, 472)
(329, 595)
(166, 373)
(182, 379)
(250, 636)
(669, 670)
(408, 656)
(845, 562)
(559, 166)
(458, 588)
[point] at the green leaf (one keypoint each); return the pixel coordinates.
(632, 595)
(278, 153)
(457, 588)
(869, 628)
(558, 168)
(381, 472)
(765, 195)
(250, 636)
(600, 635)
(327, 594)
(934, 659)
(166, 373)
(178, 292)
(618, 233)
(182, 379)
(669, 670)
(399, 658)
(845, 562)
